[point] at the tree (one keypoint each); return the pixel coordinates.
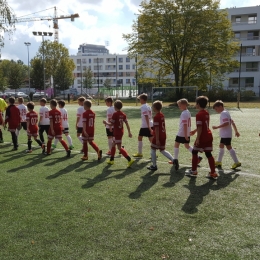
(2, 81)
(187, 38)
(56, 55)
(7, 22)
(88, 79)
(37, 74)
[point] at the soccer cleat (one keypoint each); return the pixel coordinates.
(99, 154)
(108, 153)
(140, 155)
(14, 149)
(170, 162)
(68, 153)
(84, 158)
(130, 163)
(212, 176)
(43, 149)
(28, 151)
(110, 162)
(199, 159)
(235, 165)
(53, 146)
(1, 141)
(152, 168)
(218, 164)
(176, 163)
(191, 173)
(71, 147)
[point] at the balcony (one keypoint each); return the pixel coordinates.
(247, 70)
(244, 23)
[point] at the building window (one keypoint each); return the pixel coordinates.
(120, 67)
(133, 66)
(235, 81)
(237, 35)
(252, 66)
(89, 60)
(127, 73)
(127, 67)
(238, 19)
(127, 81)
(79, 81)
(78, 61)
(252, 19)
(133, 81)
(250, 51)
(84, 61)
(120, 74)
(127, 59)
(120, 60)
(254, 35)
(78, 67)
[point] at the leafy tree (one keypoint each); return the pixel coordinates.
(186, 38)
(88, 79)
(2, 80)
(6, 21)
(37, 74)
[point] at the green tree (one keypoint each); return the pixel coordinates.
(37, 73)
(186, 38)
(2, 80)
(88, 79)
(6, 21)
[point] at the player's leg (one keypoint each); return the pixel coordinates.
(125, 154)
(1, 135)
(109, 140)
(140, 144)
(63, 143)
(69, 139)
(113, 151)
(79, 134)
(29, 144)
(190, 148)
(85, 149)
(95, 147)
(14, 138)
(211, 161)
(50, 138)
(41, 131)
(153, 167)
(38, 141)
(193, 172)
(54, 145)
(234, 156)
(221, 153)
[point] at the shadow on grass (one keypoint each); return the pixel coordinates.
(225, 179)
(175, 177)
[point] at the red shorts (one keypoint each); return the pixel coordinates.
(57, 133)
(90, 137)
(204, 147)
(159, 147)
(12, 126)
(118, 139)
(33, 131)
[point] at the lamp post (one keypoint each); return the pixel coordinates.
(239, 78)
(98, 78)
(43, 54)
(28, 44)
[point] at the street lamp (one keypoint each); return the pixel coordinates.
(43, 34)
(28, 44)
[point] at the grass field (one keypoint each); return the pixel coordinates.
(61, 208)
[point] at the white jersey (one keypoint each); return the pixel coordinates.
(80, 112)
(225, 132)
(146, 111)
(44, 113)
(64, 118)
(23, 112)
(110, 112)
(185, 119)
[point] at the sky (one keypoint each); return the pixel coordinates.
(100, 21)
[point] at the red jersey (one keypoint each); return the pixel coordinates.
(32, 117)
(89, 118)
(159, 123)
(202, 119)
(118, 119)
(55, 116)
(12, 117)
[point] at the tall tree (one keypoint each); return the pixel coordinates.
(88, 79)
(37, 73)
(187, 38)
(7, 22)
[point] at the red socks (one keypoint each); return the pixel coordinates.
(95, 147)
(124, 152)
(211, 164)
(85, 149)
(64, 145)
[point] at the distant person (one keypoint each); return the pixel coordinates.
(79, 122)
(204, 140)
(159, 136)
(117, 121)
(88, 131)
(13, 119)
(225, 132)
(23, 111)
(146, 125)
(3, 107)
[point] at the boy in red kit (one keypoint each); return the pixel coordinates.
(88, 120)
(159, 136)
(55, 130)
(12, 118)
(32, 126)
(117, 121)
(203, 142)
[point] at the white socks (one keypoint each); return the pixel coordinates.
(110, 143)
(56, 141)
(69, 140)
(140, 147)
(221, 154)
(190, 149)
(80, 139)
(153, 155)
(167, 155)
(233, 155)
(176, 153)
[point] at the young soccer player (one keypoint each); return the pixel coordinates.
(159, 138)
(12, 118)
(3, 107)
(117, 121)
(109, 129)
(23, 111)
(32, 126)
(225, 132)
(44, 122)
(65, 125)
(88, 131)
(55, 130)
(204, 139)
(146, 126)
(79, 123)
(183, 136)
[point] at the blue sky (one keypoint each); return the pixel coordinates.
(100, 21)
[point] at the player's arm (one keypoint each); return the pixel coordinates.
(128, 129)
(157, 135)
(28, 124)
(7, 116)
(77, 121)
(193, 132)
(147, 122)
(235, 128)
(220, 126)
(51, 126)
(185, 128)
(199, 131)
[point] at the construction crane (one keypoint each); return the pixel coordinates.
(55, 19)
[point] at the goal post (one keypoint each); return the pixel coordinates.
(167, 92)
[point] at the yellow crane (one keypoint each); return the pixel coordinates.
(54, 18)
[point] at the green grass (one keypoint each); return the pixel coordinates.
(59, 208)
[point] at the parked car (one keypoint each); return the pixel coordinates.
(9, 94)
(39, 94)
(21, 94)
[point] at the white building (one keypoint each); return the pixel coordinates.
(118, 68)
(246, 26)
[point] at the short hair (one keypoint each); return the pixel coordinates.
(109, 99)
(11, 100)
(183, 101)
(20, 99)
(43, 100)
(30, 105)
(143, 97)
(218, 103)
(81, 99)
(118, 104)
(53, 102)
(87, 103)
(61, 103)
(202, 101)
(157, 105)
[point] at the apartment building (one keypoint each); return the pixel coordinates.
(246, 26)
(118, 68)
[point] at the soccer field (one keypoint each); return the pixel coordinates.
(62, 208)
